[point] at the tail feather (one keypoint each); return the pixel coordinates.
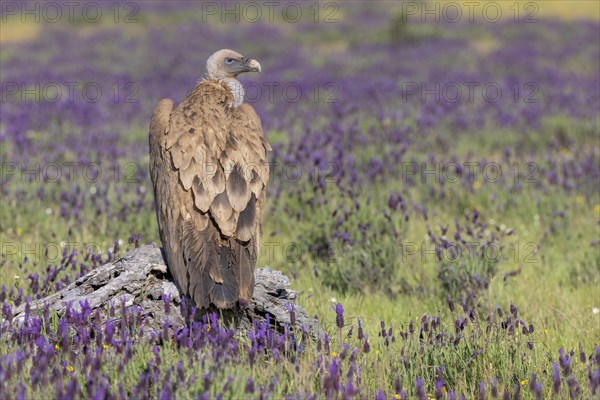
(246, 263)
(219, 271)
(225, 294)
(200, 256)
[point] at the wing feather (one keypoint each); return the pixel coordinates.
(238, 190)
(246, 225)
(201, 199)
(220, 208)
(187, 175)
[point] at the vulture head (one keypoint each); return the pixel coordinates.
(229, 64)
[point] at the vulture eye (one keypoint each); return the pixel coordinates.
(228, 60)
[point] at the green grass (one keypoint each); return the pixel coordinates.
(556, 292)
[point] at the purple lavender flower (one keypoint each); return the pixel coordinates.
(465, 307)
(556, 378)
(339, 316)
(538, 390)
(574, 389)
(332, 380)
(450, 304)
(349, 390)
(360, 334)
(472, 316)
(397, 385)
(420, 390)
(565, 362)
(595, 381)
(494, 388)
(499, 310)
(249, 388)
(476, 354)
(439, 389)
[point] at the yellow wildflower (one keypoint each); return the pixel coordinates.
(597, 208)
(333, 354)
(476, 185)
(56, 347)
(524, 382)
(19, 230)
(70, 368)
(397, 396)
(580, 200)
(105, 346)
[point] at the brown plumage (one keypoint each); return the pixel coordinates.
(209, 168)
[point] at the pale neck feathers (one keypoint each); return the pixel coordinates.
(237, 90)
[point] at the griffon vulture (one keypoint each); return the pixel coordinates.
(209, 168)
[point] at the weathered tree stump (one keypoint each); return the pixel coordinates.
(141, 278)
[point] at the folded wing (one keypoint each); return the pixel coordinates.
(209, 168)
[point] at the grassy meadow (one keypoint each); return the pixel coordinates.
(446, 238)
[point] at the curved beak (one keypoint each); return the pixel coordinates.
(253, 66)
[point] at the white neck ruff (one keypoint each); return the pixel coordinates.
(237, 90)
